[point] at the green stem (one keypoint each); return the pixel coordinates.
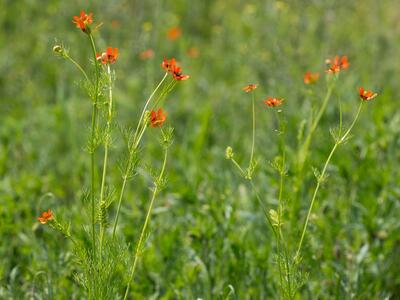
(306, 145)
(253, 132)
(146, 222)
(341, 140)
(106, 148)
(133, 149)
(148, 102)
(79, 67)
(282, 249)
(93, 136)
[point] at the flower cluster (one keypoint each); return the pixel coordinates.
(271, 101)
(172, 67)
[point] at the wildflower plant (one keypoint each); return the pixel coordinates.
(288, 254)
(106, 265)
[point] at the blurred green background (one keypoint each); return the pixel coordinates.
(209, 239)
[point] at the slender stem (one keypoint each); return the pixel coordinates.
(254, 130)
(282, 248)
(136, 142)
(106, 148)
(235, 163)
(147, 103)
(306, 145)
(79, 67)
(146, 222)
(93, 136)
(279, 235)
(354, 122)
(163, 93)
(341, 140)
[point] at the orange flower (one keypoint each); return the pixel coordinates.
(108, 57)
(366, 95)
(174, 33)
(146, 54)
(272, 102)
(167, 65)
(171, 67)
(157, 118)
(83, 21)
(177, 73)
(46, 216)
(250, 87)
(338, 64)
(310, 78)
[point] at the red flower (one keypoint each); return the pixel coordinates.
(310, 78)
(174, 33)
(83, 21)
(366, 95)
(272, 102)
(250, 87)
(157, 118)
(171, 67)
(146, 54)
(338, 64)
(108, 57)
(46, 216)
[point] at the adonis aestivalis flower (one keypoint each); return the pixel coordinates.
(46, 216)
(157, 118)
(108, 57)
(310, 78)
(171, 67)
(366, 95)
(249, 88)
(272, 102)
(146, 54)
(174, 33)
(83, 21)
(337, 64)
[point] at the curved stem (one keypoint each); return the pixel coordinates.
(146, 222)
(106, 147)
(341, 140)
(79, 67)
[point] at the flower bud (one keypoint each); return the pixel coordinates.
(58, 49)
(229, 153)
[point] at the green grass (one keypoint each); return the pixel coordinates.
(208, 236)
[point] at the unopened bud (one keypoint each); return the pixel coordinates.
(229, 153)
(58, 49)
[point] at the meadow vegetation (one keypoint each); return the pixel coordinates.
(262, 170)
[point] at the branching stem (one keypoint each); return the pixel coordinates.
(320, 179)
